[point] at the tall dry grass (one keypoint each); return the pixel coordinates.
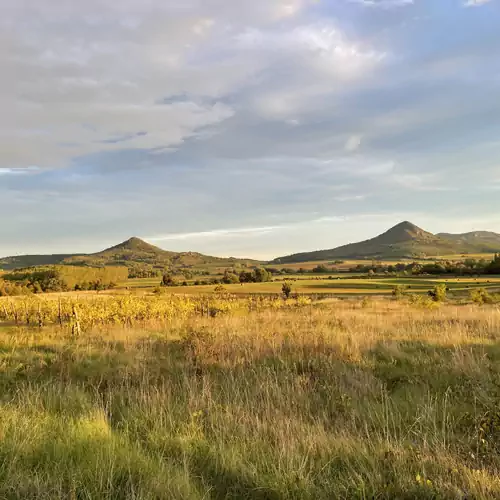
(338, 400)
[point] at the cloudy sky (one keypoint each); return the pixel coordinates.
(248, 128)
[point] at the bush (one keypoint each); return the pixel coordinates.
(481, 296)
(286, 289)
(321, 269)
(438, 294)
(399, 292)
(424, 301)
(168, 280)
(230, 278)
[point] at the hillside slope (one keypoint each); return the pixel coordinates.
(130, 253)
(405, 240)
(22, 261)
(484, 241)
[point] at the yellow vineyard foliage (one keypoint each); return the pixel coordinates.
(92, 311)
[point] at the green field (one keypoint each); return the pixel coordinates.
(337, 286)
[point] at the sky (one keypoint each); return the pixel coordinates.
(251, 129)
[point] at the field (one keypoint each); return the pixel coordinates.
(337, 399)
(349, 263)
(340, 285)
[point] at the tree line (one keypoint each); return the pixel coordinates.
(230, 276)
(61, 279)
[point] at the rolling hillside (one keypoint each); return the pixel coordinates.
(484, 241)
(404, 240)
(22, 261)
(131, 253)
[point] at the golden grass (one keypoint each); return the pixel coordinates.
(342, 399)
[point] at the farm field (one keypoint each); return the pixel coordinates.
(339, 285)
(342, 399)
(346, 264)
(476, 256)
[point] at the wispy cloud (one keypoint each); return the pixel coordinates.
(421, 182)
(353, 197)
(385, 4)
(217, 233)
(18, 171)
(476, 3)
(353, 143)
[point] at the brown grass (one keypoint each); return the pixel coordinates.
(346, 399)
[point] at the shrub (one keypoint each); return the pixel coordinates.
(481, 296)
(399, 292)
(168, 280)
(286, 289)
(438, 294)
(424, 301)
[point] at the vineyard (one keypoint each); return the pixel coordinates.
(92, 311)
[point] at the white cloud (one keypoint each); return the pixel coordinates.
(420, 182)
(476, 3)
(89, 77)
(303, 66)
(353, 143)
(216, 233)
(354, 197)
(18, 171)
(386, 4)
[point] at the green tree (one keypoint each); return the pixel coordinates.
(261, 275)
(247, 277)
(230, 277)
(494, 266)
(321, 269)
(168, 280)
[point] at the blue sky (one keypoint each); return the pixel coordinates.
(245, 128)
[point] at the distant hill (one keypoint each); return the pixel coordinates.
(484, 241)
(404, 240)
(131, 253)
(22, 261)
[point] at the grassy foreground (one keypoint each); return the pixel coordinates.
(348, 399)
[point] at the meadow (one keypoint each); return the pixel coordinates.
(263, 399)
